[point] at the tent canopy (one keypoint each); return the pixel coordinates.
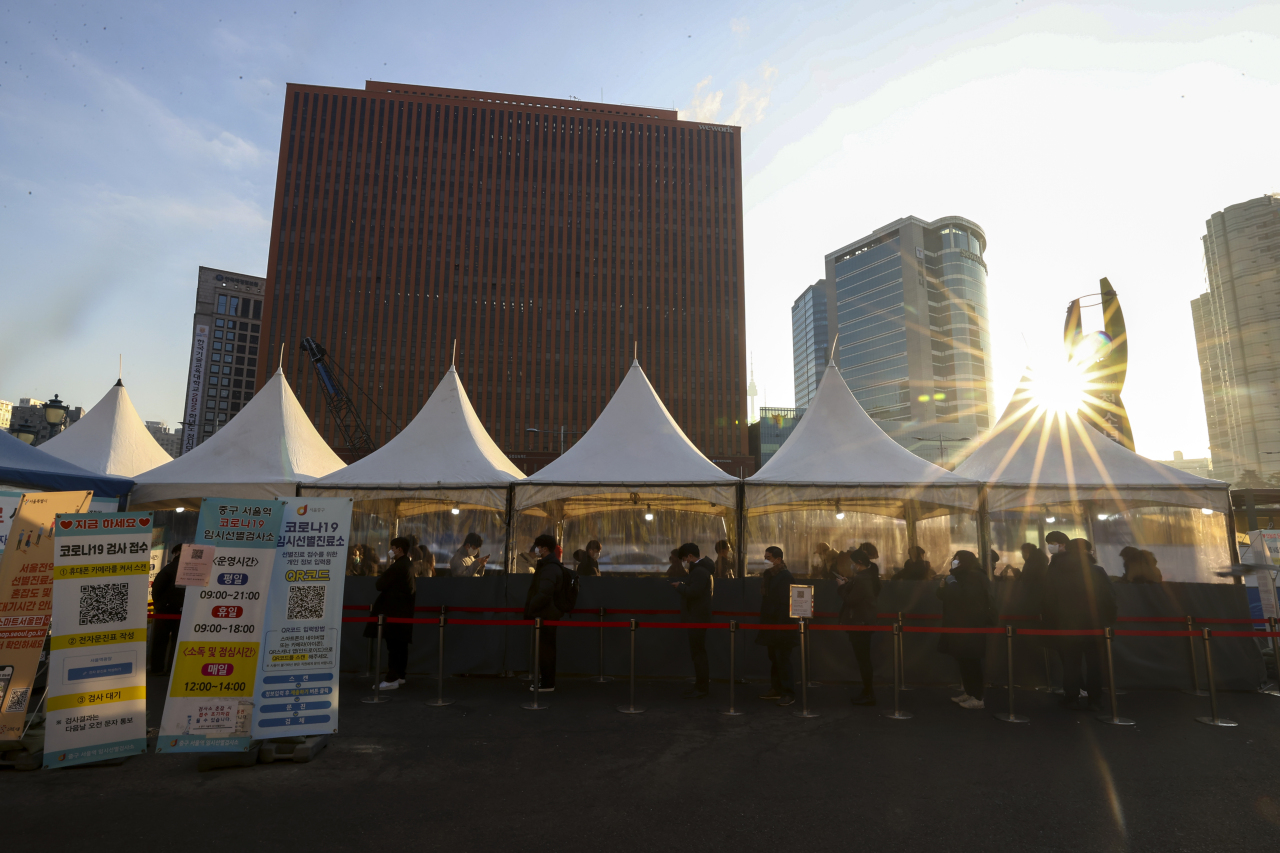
(264, 452)
(1035, 456)
(109, 439)
(443, 458)
(838, 455)
(634, 452)
(30, 467)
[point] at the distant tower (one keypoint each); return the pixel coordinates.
(751, 393)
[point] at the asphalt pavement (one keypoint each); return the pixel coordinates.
(483, 774)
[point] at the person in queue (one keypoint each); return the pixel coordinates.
(397, 593)
(1139, 566)
(675, 566)
(966, 603)
(832, 564)
(872, 555)
(588, 559)
(726, 566)
(916, 567)
(1079, 597)
(1056, 541)
(695, 593)
(540, 603)
(1035, 565)
(775, 609)
(467, 562)
(167, 598)
(858, 596)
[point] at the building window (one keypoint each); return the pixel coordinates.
(222, 305)
(235, 305)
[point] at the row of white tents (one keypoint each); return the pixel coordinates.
(633, 456)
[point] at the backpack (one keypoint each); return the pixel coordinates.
(565, 597)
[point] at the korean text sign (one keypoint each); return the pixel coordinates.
(26, 599)
(297, 689)
(210, 703)
(97, 701)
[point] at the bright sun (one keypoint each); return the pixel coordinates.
(1061, 386)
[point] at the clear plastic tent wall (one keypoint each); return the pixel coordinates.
(1046, 470)
(840, 480)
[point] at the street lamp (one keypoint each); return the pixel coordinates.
(562, 431)
(55, 414)
(942, 452)
(24, 433)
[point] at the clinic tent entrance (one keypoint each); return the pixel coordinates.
(263, 453)
(109, 439)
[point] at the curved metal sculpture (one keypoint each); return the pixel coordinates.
(1107, 355)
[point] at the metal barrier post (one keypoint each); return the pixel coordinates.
(733, 631)
(440, 701)
(898, 713)
(1048, 670)
(1215, 720)
(1010, 717)
(368, 658)
(536, 686)
(902, 658)
(533, 655)
(804, 674)
(377, 668)
(1115, 719)
(630, 707)
(601, 678)
(1273, 690)
(1195, 673)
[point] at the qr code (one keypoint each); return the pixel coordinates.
(17, 700)
(104, 603)
(197, 553)
(306, 602)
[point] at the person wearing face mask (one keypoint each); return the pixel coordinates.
(397, 591)
(858, 597)
(540, 603)
(1056, 542)
(775, 609)
(696, 590)
(1079, 597)
(966, 603)
(466, 562)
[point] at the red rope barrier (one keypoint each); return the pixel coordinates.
(922, 629)
(1049, 632)
(1155, 633)
(885, 628)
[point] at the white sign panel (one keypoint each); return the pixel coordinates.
(801, 601)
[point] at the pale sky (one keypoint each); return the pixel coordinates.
(139, 141)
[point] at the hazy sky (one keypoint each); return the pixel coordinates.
(139, 141)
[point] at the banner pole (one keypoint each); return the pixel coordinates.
(1215, 720)
(631, 708)
(377, 668)
(733, 630)
(1010, 717)
(1115, 719)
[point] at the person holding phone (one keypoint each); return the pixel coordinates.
(467, 563)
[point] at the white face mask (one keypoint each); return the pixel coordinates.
(955, 564)
(1055, 548)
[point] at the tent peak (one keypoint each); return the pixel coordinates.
(119, 383)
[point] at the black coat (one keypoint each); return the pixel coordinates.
(1035, 569)
(397, 595)
(1078, 596)
(858, 597)
(914, 570)
(775, 608)
(697, 590)
(165, 594)
(966, 603)
(540, 601)
(587, 564)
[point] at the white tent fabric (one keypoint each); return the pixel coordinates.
(634, 448)
(109, 439)
(837, 452)
(1035, 457)
(442, 458)
(264, 452)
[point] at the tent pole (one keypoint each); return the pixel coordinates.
(508, 558)
(741, 531)
(910, 513)
(984, 536)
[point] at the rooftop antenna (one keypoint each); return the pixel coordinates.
(752, 393)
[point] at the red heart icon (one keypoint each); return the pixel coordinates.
(66, 525)
(143, 522)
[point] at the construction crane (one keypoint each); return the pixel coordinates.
(343, 409)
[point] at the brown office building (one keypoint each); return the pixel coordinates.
(550, 238)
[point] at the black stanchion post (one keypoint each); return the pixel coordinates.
(804, 674)
(533, 655)
(1010, 717)
(440, 701)
(1274, 689)
(377, 668)
(1191, 656)
(1115, 719)
(1215, 720)
(902, 658)
(536, 686)
(1048, 671)
(897, 713)
(601, 678)
(630, 707)
(733, 631)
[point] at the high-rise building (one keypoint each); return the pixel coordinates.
(553, 240)
(225, 335)
(810, 340)
(776, 426)
(909, 304)
(1237, 324)
(6, 414)
(169, 440)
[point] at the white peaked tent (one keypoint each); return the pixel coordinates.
(1034, 457)
(443, 458)
(264, 452)
(634, 452)
(109, 439)
(838, 457)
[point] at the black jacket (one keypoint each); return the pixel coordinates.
(775, 608)
(697, 590)
(540, 602)
(858, 596)
(966, 603)
(165, 594)
(1078, 596)
(1035, 569)
(587, 565)
(914, 570)
(397, 594)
